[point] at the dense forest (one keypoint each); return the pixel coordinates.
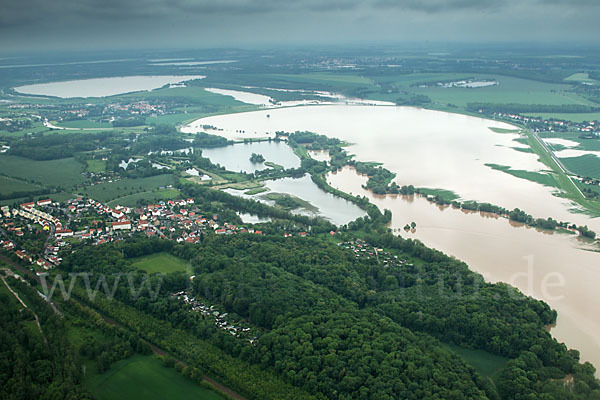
(341, 327)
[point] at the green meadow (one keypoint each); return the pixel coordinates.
(108, 191)
(161, 262)
(147, 197)
(486, 364)
(96, 166)
(586, 165)
(144, 377)
(64, 172)
(12, 185)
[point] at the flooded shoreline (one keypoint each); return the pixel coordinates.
(435, 149)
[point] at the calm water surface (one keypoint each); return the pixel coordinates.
(236, 157)
(101, 87)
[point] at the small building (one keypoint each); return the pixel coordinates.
(63, 233)
(122, 225)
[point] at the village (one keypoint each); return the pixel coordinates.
(58, 224)
(588, 129)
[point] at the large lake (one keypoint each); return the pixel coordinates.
(101, 87)
(443, 150)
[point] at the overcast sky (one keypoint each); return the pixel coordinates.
(88, 24)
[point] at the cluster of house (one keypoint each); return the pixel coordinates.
(589, 181)
(48, 222)
(362, 249)
(136, 108)
(220, 319)
(590, 129)
(178, 220)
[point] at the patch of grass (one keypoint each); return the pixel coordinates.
(580, 77)
(289, 202)
(273, 165)
(257, 190)
(486, 364)
(447, 195)
(545, 179)
(84, 124)
(106, 192)
(323, 78)
(147, 197)
(504, 130)
(161, 262)
(96, 165)
(64, 172)
(586, 165)
(144, 377)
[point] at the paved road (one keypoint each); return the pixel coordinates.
(557, 161)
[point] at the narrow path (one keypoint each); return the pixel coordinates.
(37, 320)
(557, 162)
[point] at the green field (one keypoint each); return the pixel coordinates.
(64, 172)
(486, 364)
(586, 165)
(11, 185)
(325, 78)
(571, 191)
(144, 377)
(161, 262)
(105, 192)
(60, 196)
(148, 197)
(508, 90)
(96, 166)
(580, 77)
(84, 124)
(447, 195)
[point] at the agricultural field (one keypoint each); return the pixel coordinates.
(64, 172)
(580, 77)
(586, 165)
(106, 192)
(161, 262)
(144, 377)
(84, 124)
(150, 196)
(508, 90)
(11, 185)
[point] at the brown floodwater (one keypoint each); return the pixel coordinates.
(435, 149)
(557, 268)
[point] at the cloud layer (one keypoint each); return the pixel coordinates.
(31, 23)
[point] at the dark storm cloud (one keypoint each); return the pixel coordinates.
(19, 11)
(144, 21)
(442, 6)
